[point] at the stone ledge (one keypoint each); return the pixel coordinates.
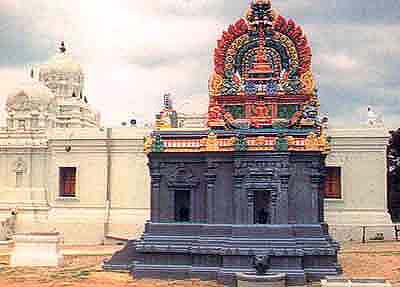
(273, 277)
(355, 282)
(45, 237)
(67, 199)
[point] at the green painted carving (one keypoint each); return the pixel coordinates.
(280, 124)
(229, 87)
(241, 143)
(158, 145)
(281, 143)
(287, 111)
(236, 111)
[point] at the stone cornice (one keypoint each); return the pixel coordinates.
(358, 133)
(358, 139)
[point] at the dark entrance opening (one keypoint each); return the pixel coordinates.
(182, 206)
(261, 207)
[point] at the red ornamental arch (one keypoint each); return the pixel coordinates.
(280, 26)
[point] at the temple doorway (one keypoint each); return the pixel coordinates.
(261, 207)
(182, 206)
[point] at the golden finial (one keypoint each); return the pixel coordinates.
(62, 47)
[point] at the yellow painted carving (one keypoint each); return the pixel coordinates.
(148, 141)
(291, 141)
(315, 143)
(210, 143)
(216, 82)
(308, 80)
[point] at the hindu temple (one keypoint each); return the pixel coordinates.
(250, 185)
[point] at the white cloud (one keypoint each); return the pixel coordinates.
(340, 62)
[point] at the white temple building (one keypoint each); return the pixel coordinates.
(60, 170)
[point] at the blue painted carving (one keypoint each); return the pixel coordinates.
(251, 88)
(293, 84)
(271, 88)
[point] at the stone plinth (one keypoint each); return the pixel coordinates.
(267, 280)
(36, 250)
(355, 282)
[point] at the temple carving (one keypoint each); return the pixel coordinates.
(250, 184)
(262, 81)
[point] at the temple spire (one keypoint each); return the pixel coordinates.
(261, 45)
(261, 66)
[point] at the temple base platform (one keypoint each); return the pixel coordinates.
(217, 252)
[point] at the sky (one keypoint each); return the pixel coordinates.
(134, 51)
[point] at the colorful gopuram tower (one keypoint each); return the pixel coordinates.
(251, 184)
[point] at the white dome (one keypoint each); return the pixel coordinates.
(61, 63)
(30, 94)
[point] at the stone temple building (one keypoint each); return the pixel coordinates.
(61, 169)
(251, 183)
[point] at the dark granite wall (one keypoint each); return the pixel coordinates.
(223, 187)
(221, 238)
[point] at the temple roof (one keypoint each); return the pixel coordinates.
(31, 91)
(262, 73)
(262, 93)
(62, 62)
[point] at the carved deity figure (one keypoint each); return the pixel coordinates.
(313, 142)
(163, 120)
(210, 143)
(311, 109)
(291, 141)
(215, 111)
(281, 142)
(295, 120)
(240, 143)
(215, 115)
(261, 116)
(291, 82)
(157, 144)
(261, 264)
(260, 141)
(148, 142)
(229, 120)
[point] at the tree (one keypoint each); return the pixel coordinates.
(393, 161)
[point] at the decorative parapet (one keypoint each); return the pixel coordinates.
(315, 142)
(240, 143)
(216, 143)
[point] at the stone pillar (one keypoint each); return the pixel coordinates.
(238, 203)
(211, 177)
(155, 192)
(282, 194)
(282, 213)
(317, 180)
(250, 206)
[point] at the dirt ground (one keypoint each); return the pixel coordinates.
(82, 268)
